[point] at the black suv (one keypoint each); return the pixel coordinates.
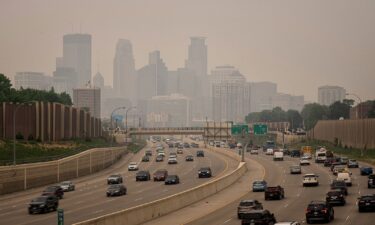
(295, 153)
(114, 179)
(371, 181)
(116, 190)
(276, 192)
(56, 191)
(143, 175)
(247, 206)
(148, 153)
(335, 197)
(189, 158)
(319, 211)
(145, 158)
(204, 172)
(340, 184)
(172, 179)
(261, 217)
(43, 204)
(200, 153)
(366, 203)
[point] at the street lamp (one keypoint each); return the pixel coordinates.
(113, 132)
(360, 108)
(126, 117)
(14, 128)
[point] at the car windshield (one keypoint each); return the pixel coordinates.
(114, 187)
(317, 206)
(50, 189)
(258, 183)
(39, 199)
(247, 203)
(133, 163)
(295, 167)
(66, 183)
(333, 193)
(114, 176)
(309, 176)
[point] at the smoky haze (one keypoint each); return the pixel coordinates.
(299, 45)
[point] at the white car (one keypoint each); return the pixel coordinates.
(172, 160)
(304, 161)
(310, 179)
(254, 151)
(269, 151)
(67, 186)
(133, 166)
(161, 153)
(345, 177)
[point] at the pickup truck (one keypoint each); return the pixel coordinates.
(247, 206)
(276, 192)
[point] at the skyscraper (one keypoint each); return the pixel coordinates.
(197, 56)
(77, 55)
(124, 80)
(330, 94)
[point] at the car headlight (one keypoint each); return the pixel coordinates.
(42, 205)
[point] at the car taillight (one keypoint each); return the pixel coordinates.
(324, 210)
(308, 210)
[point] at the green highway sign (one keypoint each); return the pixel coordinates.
(240, 129)
(60, 217)
(260, 129)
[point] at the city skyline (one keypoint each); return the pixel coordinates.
(265, 41)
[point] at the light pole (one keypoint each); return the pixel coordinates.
(113, 132)
(14, 129)
(126, 118)
(360, 108)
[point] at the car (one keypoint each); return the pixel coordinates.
(307, 155)
(189, 158)
(194, 145)
(295, 153)
(160, 175)
(366, 203)
(340, 169)
(200, 153)
(269, 151)
(345, 177)
(328, 162)
(43, 204)
(333, 164)
(366, 170)
(180, 151)
(310, 179)
(67, 186)
(170, 145)
(186, 145)
(371, 181)
(172, 160)
(335, 197)
(204, 172)
(133, 166)
(260, 216)
(159, 158)
(172, 179)
(295, 169)
(143, 175)
(259, 185)
(148, 153)
(344, 160)
(114, 179)
(145, 158)
(246, 206)
(319, 211)
(276, 192)
(341, 185)
(54, 190)
(254, 152)
(116, 190)
(352, 163)
(288, 223)
(304, 161)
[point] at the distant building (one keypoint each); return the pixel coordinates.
(124, 78)
(64, 80)
(89, 99)
(360, 111)
(77, 55)
(228, 94)
(287, 102)
(169, 111)
(261, 96)
(197, 56)
(98, 80)
(32, 80)
(330, 94)
(111, 103)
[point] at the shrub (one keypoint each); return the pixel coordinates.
(19, 136)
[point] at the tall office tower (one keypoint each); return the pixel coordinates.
(261, 96)
(88, 98)
(327, 95)
(124, 79)
(228, 94)
(77, 55)
(197, 56)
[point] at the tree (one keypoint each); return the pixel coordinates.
(253, 117)
(5, 88)
(294, 118)
(371, 112)
(339, 109)
(313, 112)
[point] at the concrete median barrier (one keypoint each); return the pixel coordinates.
(145, 212)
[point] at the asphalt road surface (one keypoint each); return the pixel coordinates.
(89, 199)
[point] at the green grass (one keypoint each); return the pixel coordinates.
(136, 145)
(29, 152)
(368, 155)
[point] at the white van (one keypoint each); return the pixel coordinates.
(345, 177)
(278, 156)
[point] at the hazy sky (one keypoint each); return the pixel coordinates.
(299, 45)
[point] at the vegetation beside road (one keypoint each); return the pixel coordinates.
(32, 151)
(136, 145)
(353, 153)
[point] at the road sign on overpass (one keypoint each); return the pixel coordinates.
(260, 129)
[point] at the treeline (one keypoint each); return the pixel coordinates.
(9, 94)
(309, 115)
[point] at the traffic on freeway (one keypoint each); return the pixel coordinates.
(131, 182)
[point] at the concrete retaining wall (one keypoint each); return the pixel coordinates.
(142, 213)
(26, 176)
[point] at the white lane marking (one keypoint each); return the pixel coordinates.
(138, 199)
(98, 211)
(226, 221)
(347, 218)
(165, 190)
(79, 202)
(286, 205)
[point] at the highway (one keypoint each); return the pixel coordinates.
(297, 197)
(89, 199)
